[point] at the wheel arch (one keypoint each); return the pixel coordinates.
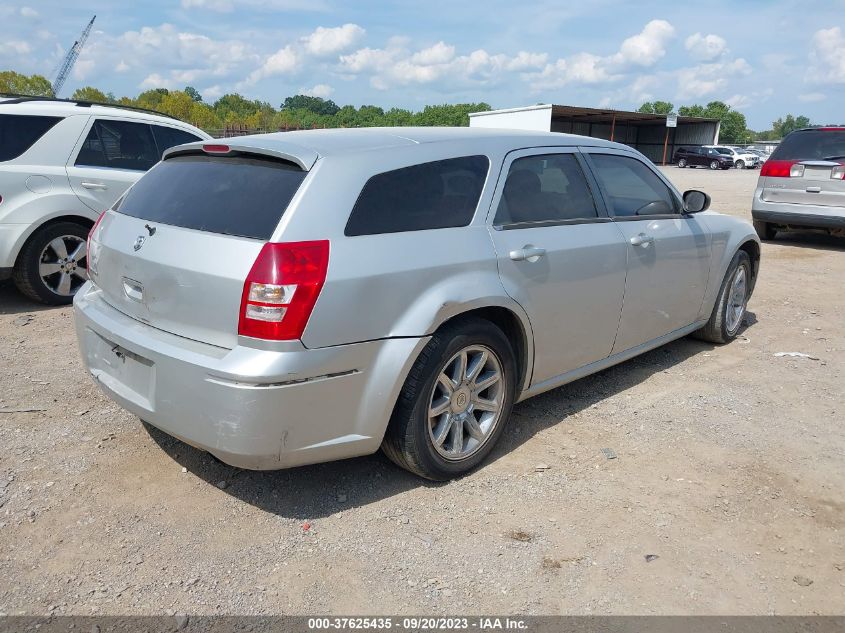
(26, 237)
(515, 330)
(753, 249)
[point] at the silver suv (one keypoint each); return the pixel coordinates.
(61, 164)
(802, 185)
(301, 297)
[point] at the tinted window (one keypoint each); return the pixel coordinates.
(167, 137)
(433, 195)
(545, 188)
(234, 196)
(632, 187)
(19, 132)
(119, 145)
(811, 145)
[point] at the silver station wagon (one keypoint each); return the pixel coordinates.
(294, 298)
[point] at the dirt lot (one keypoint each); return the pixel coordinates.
(730, 469)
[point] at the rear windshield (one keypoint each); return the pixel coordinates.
(239, 196)
(18, 132)
(812, 145)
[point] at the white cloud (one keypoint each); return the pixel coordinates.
(827, 56)
(323, 91)
(739, 102)
(642, 50)
(29, 12)
(706, 48)
(282, 62)
(705, 79)
(330, 41)
(121, 67)
(647, 47)
(155, 80)
(440, 53)
(212, 93)
(16, 47)
(812, 97)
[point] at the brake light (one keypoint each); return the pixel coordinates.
(282, 288)
(838, 173)
(88, 265)
(216, 149)
(779, 168)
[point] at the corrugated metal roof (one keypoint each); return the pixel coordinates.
(599, 115)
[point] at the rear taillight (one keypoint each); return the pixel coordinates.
(88, 264)
(780, 169)
(282, 288)
(216, 149)
(838, 173)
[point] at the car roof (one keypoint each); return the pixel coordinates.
(327, 142)
(49, 107)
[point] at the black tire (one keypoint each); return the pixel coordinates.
(26, 274)
(407, 441)
(716, 329)
(740, 164)
(765, 230)
(714, 164)
(682, 163)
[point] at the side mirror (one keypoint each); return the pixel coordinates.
(696, 201)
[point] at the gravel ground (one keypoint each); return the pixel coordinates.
(725, 494)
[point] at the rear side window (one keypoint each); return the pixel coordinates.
(119, 145)
(633, 189)
(545, 188)
(434, 195)
(241, 196)
(812, 145)
(19, 132)
(167, 137)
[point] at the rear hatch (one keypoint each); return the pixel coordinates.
(807, 168)
(175, 251)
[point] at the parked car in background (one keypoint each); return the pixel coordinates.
(763, 156)
(696, 156)
(802, 185)
(61, 164)
(287, 299)
(742, 159)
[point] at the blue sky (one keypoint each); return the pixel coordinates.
(766, 58)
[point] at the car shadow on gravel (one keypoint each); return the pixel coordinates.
(13, 302)
(810, 239)
(313, 492)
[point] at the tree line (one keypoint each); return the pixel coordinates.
(734, 128)
(236, 111)
(304, 112)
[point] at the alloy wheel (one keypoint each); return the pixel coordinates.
(737, 297)
(62, 266)
(466, 402)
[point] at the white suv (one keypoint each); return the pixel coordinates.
(62, 163)
(742, 158)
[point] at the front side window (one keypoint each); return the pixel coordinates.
(632, 188)
(19, 132)
(119, 145)
(434, 195)
(546, 188)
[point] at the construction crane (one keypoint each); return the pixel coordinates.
(70, 59)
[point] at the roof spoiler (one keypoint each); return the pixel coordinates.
(297, 154)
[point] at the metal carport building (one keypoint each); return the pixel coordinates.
(645, 132)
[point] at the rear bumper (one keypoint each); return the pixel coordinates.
(251, 408)
(799, 215)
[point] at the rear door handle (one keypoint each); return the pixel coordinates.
(642, 240)
(814, 189)
(100, 186)
(528, 253)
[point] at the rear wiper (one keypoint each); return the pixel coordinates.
(837, 157)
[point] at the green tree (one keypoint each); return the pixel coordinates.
(656, 107)
(317, 105)
(733, 128)
(89, 93)
(234, 108)
(151, 99)
(693, 110)
(193, 93)
(18, 84)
